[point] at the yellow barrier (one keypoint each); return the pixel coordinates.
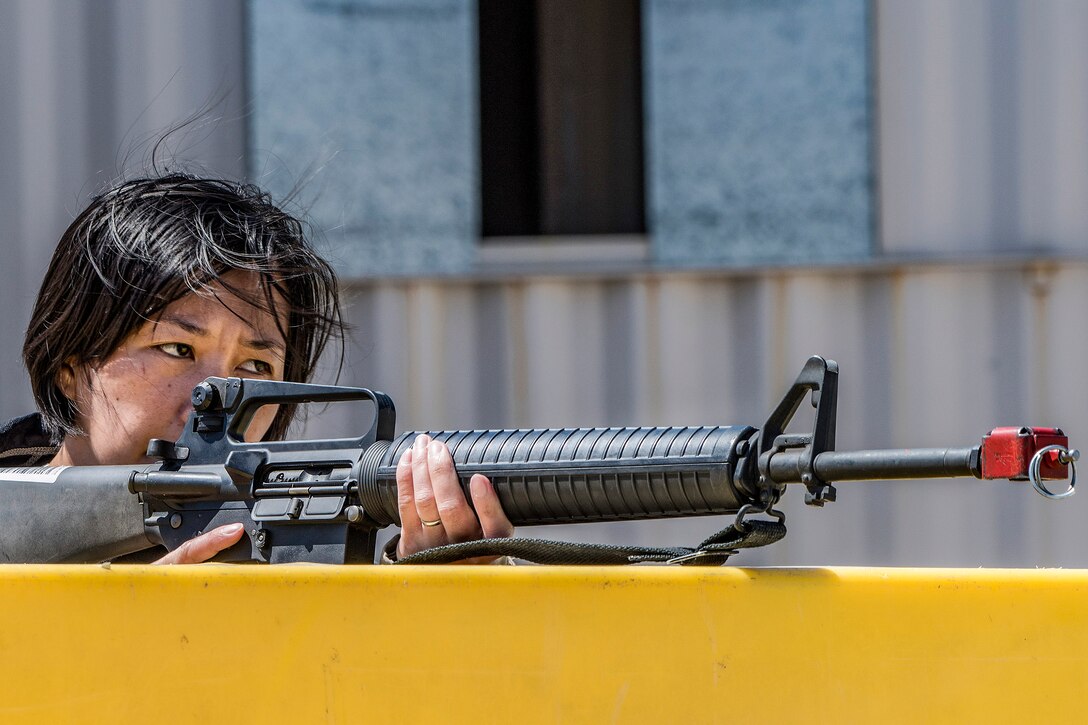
(540, 644)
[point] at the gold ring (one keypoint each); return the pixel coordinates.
(437, 522)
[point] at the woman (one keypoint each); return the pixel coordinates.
(162, 282)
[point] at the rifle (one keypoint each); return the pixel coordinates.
(324, 500)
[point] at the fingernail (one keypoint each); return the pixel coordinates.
(422, 441)
(230, 530)
(435, 449)
(406, 457)
(479, 484)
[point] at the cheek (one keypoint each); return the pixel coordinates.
(120, 387)
(262, 421)
(133, 395)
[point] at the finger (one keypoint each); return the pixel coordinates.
(205, 546)
(423, 492)
(406, 500)
(493, 519)
(410, 535)
(458, 518)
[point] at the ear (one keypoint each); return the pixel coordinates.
(67, 379)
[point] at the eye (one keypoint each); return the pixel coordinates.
(257, 367)
(177, 349)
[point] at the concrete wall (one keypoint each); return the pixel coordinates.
(374, 106)
(759, 125)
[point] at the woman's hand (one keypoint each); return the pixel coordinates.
(205, 546)
(433, 509)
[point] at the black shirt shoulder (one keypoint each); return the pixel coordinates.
(24, 442)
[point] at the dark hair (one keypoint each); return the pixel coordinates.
(150, 241)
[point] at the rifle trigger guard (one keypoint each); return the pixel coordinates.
(1066, 457)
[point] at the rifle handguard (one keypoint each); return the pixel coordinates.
(552, 476)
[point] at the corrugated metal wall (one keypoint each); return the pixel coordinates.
(83, 86)
(930, 355)
(981, 110)
(983, 106)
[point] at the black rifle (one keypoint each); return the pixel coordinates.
(324, 500)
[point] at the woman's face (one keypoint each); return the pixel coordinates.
(142, 390)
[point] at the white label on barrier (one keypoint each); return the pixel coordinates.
(42, 474)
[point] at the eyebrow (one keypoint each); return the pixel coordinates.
(256, 343)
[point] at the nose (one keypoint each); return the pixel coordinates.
(211, 366)
(205, 369)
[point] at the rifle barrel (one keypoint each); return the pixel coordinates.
(879, 465)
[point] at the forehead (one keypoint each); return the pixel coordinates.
(237, 298)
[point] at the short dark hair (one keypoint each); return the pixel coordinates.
(150, 241)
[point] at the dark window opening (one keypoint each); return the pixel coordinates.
(561, 117)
